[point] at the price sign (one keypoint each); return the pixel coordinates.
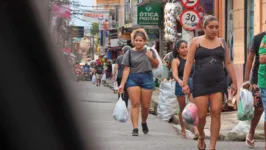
(190, 3)
(190, 19)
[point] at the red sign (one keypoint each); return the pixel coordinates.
(190, 19)
(190, 3)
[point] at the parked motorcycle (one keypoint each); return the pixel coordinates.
(78, 75)
(87, 76)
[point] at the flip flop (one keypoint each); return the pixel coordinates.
(250, 143)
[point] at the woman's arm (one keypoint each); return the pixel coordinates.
(125, 75)
(175, 65)
(154, 61)
(190, 60)
(229, 67)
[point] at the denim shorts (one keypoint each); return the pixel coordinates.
(143, 80)
(178, 88)
(263, 99)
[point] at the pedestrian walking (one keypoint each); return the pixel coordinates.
(138, 78)
(119, 71)
(209, 80)
(262, 77)
(99, 70)
(180, 57)
(254, 53)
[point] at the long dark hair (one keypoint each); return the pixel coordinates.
(177, 46)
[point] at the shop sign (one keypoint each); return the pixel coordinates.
(149, 14)
(77, 31)
(190, 19)
(107, 2)
(190, 3)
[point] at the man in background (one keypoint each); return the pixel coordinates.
(118, 73)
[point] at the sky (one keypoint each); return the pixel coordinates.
(78, 22)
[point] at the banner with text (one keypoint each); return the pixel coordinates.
(149, 14)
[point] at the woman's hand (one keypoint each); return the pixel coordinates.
(263, 59)
(149, 54)
(186, 89)
(121, 88)
(234, 89)
(180, 82)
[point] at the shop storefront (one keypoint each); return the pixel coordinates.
(183, 21)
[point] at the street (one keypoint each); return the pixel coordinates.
(112, 135)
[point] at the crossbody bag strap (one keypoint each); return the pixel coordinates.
(129, 58)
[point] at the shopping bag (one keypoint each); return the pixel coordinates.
(115, 86)
(246, 105)
(120, 112)
(157, 72)
(93, 80)
(190, 114)
(104, 77)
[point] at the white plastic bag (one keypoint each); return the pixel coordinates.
(115, 86)
(167, 104)
(120, 112)
(246, 106)
(93, 80)
(104, 77)
(157, 72)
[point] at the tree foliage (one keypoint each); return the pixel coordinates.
(94, 28)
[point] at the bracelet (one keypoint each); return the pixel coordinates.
(184, 85)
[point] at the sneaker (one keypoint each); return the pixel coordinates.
(135, 132)
(145, 128)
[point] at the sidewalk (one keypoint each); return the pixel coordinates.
(229, 120)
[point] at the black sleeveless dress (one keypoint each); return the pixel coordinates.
(209, 75)
(181, 67)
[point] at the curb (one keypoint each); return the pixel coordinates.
(191, 129)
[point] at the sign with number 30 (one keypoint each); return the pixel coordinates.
(190, 19)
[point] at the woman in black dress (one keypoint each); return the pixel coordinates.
(209, 80)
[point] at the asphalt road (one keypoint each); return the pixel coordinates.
(112, 135)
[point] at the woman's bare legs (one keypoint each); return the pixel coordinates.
(202, 104)
(134, 94)
(182, 104)
(145, 104)
(215, 110)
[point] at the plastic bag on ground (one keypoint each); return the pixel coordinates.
(120, 112)
(93, 80)
(167, 104)
(239, 132)
(246, 106)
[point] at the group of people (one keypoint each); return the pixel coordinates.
(199, 70)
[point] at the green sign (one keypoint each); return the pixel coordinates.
(149, 14)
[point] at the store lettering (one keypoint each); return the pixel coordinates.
(148, 16)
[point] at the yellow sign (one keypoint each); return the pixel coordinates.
(107, 2)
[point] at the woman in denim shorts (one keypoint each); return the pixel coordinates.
(180, 54)
(138, 78)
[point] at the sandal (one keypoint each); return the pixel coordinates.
(196, 136)
(250, 143)
(204, 146)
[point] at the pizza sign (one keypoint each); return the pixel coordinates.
(190, 19)
(190, 3)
